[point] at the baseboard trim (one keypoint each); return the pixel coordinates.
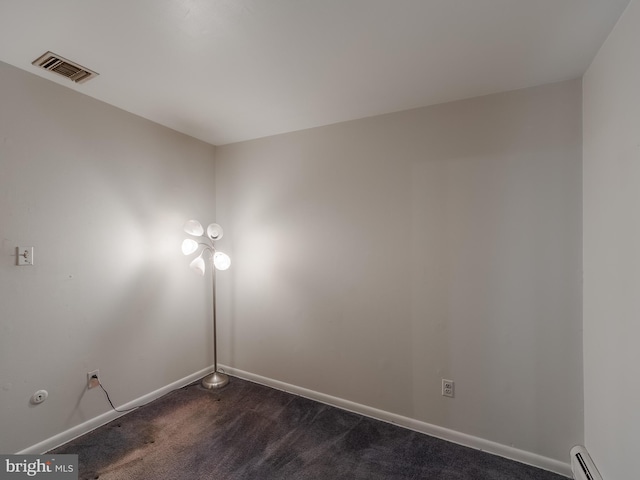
(92, 424)
(453, 436)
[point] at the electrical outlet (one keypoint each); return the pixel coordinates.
(447, 388)
(93, 379)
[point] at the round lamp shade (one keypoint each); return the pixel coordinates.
(189, 246)
(198, 265)
(221, 261)
(214, 231)
(193, 227)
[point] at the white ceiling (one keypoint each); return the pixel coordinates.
(230, 70)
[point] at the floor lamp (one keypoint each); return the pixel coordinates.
(219, 261)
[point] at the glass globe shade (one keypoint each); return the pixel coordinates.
(193, 227)
(198, 265)
(189, 246)
(221, 261)
(214, 231)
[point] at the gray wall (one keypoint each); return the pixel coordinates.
(370, 260)
(611, 259)
(374, 258)
(102, 195)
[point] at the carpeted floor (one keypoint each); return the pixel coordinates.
(248, 431)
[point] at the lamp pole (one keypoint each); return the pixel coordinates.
(216, 379)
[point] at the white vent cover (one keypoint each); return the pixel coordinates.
(582, 465)
(55, 63)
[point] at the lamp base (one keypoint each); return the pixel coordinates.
(215, 380)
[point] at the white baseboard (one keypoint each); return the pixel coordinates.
(435, 431)
(92, 424)
(459, 438)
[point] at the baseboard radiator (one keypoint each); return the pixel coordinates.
(582, 466)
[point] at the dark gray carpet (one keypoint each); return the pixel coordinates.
(248, 431)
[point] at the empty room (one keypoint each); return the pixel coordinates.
(355, 239)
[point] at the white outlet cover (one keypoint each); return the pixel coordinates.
(448, 387)
(93, 382)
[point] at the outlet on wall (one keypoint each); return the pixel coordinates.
(93, 379)
(447, 388)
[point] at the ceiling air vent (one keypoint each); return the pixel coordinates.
(62, 66)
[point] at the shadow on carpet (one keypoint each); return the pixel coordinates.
(248, 431)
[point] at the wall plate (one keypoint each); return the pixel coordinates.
(25, 256)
